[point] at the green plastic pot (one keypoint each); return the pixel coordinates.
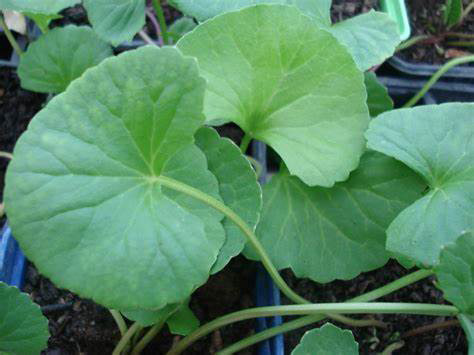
(397, 10)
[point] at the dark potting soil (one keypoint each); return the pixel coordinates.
(344, 9)
(374, 340)
(426, 18)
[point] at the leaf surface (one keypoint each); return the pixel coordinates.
(327, 340)
(35, 6)
(110, 162)
(238, 188)
(378, 99)
(180, 27)
(371, 37)
(45, 68)
(337, 233)
(205, 9)
(455, 273)
(283, 86)
(147, 318)
(437, 141)
(116, 21)
(452, 12)
(183, 321)
(23, 328)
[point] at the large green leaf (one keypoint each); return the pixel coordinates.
(378, 99)
(205, 9)
(37, 6)
(116, 21)
(327, 340)
(238, 187)
(455, 273)
(106, 161)
(337, 233)
(59, 57)
(370, 38)
(282, 85)
(23, 329)
(437, 142)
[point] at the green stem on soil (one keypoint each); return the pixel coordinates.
(244, 145)
(468, 328)
(119, 321)
(304, 309)
(436, 76)
(461, 43)
(304, 321)
(161, 19)
(410, 42)
(122, 344)
(240, 223)
(10, 37)
(147, 338)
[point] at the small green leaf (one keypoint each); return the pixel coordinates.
(455, 273)
(437, 142)
(370, 38)
(107, 161)
(205, 9)
(180, 27)
(327, 340)
(42, 20)
(452, 12)
(378, 99)
(49, 7)
(147, 318)
(116, 21)
(183, 322)
(282, 85)
(45, 68)
(238, 187)
(468, 327)
(337, 233)
(23, 328)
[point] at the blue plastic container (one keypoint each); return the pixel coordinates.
(12, 260)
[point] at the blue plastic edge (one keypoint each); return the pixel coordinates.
(12, 260)
(266, 292)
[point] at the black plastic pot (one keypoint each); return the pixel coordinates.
(8, 57)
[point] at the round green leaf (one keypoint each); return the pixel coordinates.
(455, 273)
(337, 233)
(183, 321)
(378, 99)
(437, 142)
(327, 340)
(116, 21)
(106, 161)
(147, 318)
(371, 37)
(23, 328)
(36, 6)
(205, 9)
(283, 86)
(60, 56)
(238, 187)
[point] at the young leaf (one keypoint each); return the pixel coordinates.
(107, 161)
(371, 37)
(180, 27)
(116, 21)
(468, 327)
(205, 9)
(455, 273)
(452, 12)
(42, 20)
(283, 86)
(183, 321)
(337, 233)
(45, 68)
(39, 7)
(238, 187)
(437, 142)
(23, 329)
(378, 99)
(327, 340)
(147, 318)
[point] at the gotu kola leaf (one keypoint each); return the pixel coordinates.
(238, 188)
(116, 21)
(337, 233)
(60, 56)
(378, 99)
(282, 85)
(49, 7)
(327, 340)
(98, 191)
(455, 273)
(437, 142)
(23, 328)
